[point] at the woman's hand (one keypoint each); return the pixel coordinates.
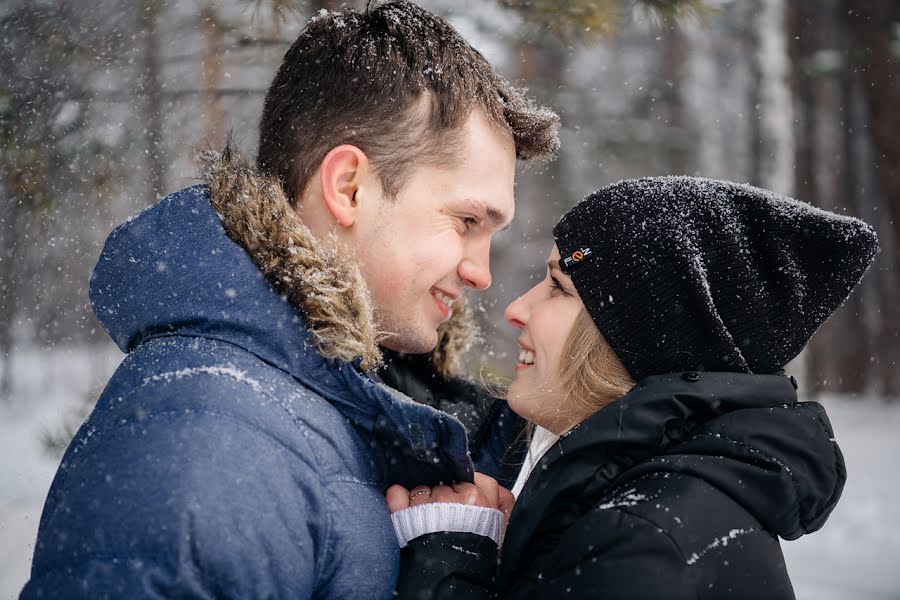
(485, 492)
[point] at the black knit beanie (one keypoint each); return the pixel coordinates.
(690, 274)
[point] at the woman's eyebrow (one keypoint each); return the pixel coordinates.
(553, 267)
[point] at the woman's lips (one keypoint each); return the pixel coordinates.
(526, 357)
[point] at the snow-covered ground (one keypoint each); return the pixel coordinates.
(856, 556)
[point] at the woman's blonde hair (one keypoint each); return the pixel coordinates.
(590, 373)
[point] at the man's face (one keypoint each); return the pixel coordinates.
(419, 251)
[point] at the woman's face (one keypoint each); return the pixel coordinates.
(545, 316)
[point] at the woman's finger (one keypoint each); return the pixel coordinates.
(489, 488)
(420, 495)
(506, 501)
(397, 498)
(469, 493)
(445, 493)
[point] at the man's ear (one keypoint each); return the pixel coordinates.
(341, 175)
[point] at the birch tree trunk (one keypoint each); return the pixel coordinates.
(773, 164)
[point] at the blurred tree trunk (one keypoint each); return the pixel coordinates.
(835, 155)
(211, 67)
(839, 344)
(674, 59)
(869, 32)
(857, 365)
(869, 27)
(773, 151)
(542, 63)
(11, 221)
(151, 92)
(805, 36)
(702, 75)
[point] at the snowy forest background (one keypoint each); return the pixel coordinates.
(103, 104)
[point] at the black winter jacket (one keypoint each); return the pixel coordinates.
(679, 489)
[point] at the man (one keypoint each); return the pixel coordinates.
(243, 446)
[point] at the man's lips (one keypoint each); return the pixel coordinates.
(442, 307)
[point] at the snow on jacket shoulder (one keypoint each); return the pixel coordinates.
(227, 457)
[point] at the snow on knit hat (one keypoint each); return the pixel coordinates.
(691, 274)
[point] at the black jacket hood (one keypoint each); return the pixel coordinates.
(747, 435)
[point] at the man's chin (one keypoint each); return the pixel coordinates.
(411, 342)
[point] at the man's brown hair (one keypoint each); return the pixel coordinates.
(396, 81)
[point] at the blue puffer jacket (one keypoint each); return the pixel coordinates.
(227, 457)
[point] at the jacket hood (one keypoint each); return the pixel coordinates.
(744, 434)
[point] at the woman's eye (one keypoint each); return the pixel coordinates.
(555, 285)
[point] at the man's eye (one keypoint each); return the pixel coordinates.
(469, 222)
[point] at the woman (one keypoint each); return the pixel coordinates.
(652, 361)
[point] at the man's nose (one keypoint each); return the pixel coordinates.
(475, 268)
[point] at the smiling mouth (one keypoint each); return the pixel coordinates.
(447, 300)
(443, 303)
(526, 357)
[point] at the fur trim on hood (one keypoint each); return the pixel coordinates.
(328, 288)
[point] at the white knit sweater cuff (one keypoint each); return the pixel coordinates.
(412, 522)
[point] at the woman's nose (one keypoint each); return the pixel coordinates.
(517, 313)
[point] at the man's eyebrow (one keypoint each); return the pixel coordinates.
(498, 219)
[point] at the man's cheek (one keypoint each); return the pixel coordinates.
(395, 283)
(439, 259)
